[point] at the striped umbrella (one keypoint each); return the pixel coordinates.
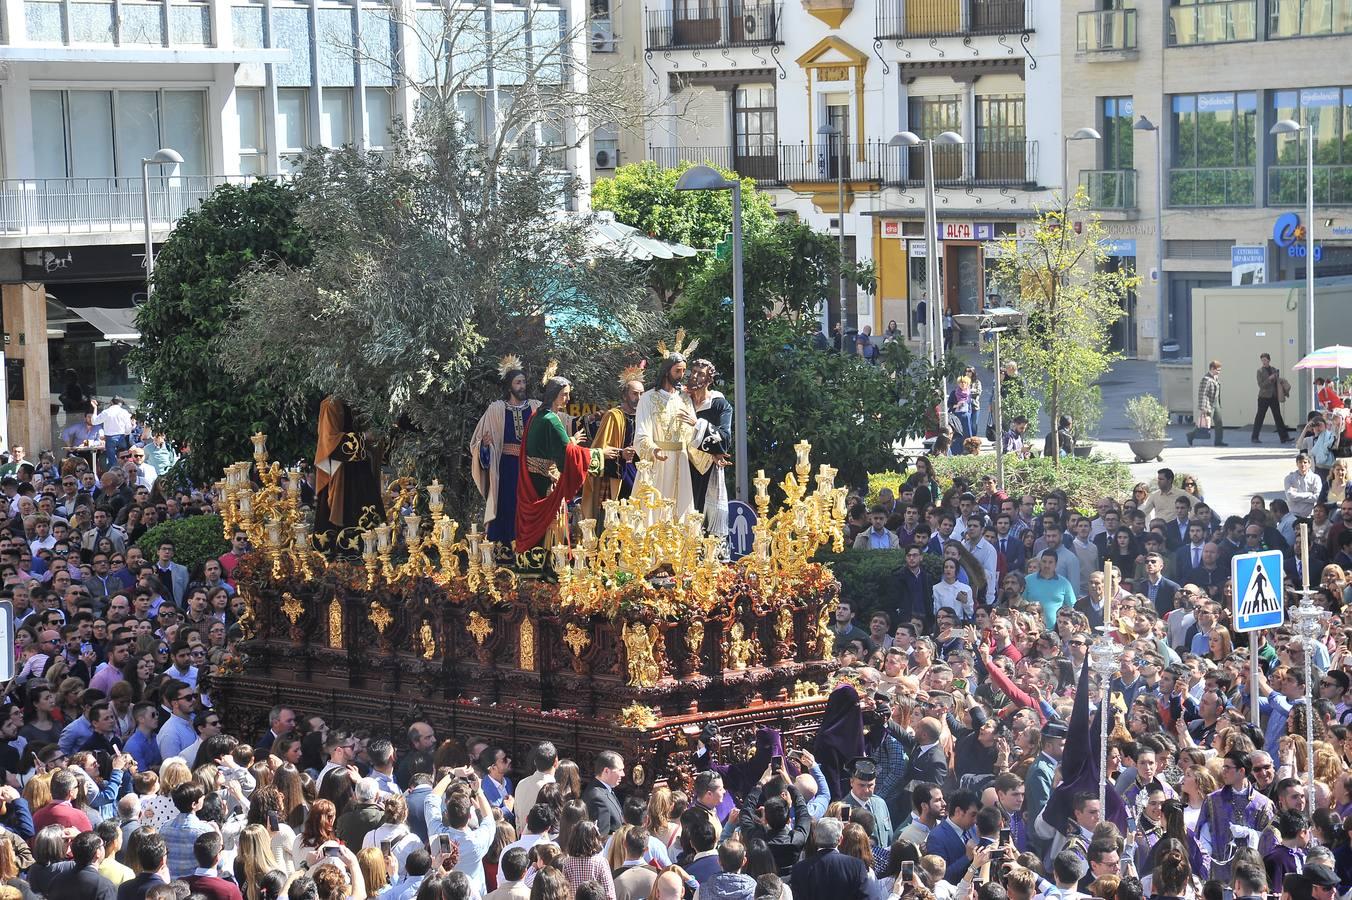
(1335, 357)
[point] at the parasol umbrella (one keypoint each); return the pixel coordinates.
(1334, 357)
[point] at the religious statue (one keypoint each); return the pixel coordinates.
(616, 430)
(554, 472)
(739, 648)
(713, 436)
(638, 652)
(347, 479)
(664, 429)
(495, 451)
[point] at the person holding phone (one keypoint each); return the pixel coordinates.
(464, 821)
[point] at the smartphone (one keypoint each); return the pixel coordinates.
(333, 851)
(776, 762)
(273, 821)
(86, 647)
(1006, 837)
(385, 847)
(845, 814)
(445, 840)
(907, 871)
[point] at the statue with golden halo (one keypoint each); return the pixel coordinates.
(495, 450)
(616, 429)
(664, 429)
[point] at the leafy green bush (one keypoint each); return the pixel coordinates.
(196, 539)
(1148, 417)
(868, 578)
(890, 480)
(1085, 481)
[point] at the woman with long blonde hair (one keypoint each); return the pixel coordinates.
(1198, 783)
(254, 859)
(659, 820)
(373, 870)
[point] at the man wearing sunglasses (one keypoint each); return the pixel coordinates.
(49, 647)
(177, 732)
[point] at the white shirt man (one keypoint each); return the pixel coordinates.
(985, 554)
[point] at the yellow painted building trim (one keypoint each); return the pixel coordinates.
(811, 61)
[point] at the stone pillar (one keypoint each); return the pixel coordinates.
(25, 326)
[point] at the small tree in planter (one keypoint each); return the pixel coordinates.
(1150, 420)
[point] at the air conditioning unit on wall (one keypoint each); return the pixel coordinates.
(606, 159)
(602, 36)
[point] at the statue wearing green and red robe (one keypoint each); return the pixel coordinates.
(554, 472)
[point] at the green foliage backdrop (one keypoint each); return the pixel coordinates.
(196, 540)
(186, 389)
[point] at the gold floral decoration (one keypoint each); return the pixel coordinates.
(291, 607)
(636, 715)
(784, 625)
(380, 617)
(336, 624)
(527, 643)
(479, 627)
(576, 639)
(638, 775)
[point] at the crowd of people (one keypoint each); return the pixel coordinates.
(949, 763)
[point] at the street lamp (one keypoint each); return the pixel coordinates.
(165, 156)
(705, 178)
(1144, 124)
(933, 311)
(1290, 126)
(995, 320)
(1079, 134)
(833, 133)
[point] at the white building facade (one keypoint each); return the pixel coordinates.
(749, 85)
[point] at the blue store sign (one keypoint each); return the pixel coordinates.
(1289, 235)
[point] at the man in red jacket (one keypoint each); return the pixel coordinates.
(207, 880)
(60, 811)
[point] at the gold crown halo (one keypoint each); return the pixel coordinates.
(631, 373)
(550, 371)
(677, 349)
(508, 363)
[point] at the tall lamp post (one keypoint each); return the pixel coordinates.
(1290, 126)
(1079, 134)
(836, 141)
(706, 178)
(934, 307)
(165, 156)
(995, 320)
(1144, 124)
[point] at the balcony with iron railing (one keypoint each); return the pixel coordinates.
(1212, 186)
(1106, 31)
(951, 18)
(1110, 188)
(1224, 22)
(700, 25)
(101, 205)
(1332, 185)
(992, 164)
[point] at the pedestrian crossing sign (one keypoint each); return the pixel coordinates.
(1257, 582)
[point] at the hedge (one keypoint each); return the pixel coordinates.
(1085, 480)
(196, 539)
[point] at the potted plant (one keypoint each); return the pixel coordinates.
(1150, 420)
(1086, 411)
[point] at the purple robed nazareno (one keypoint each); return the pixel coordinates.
(840, 740)
(740, 778)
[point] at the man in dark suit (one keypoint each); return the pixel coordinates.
(915, 589)
(84, 881)
(1176, 530)
(928, 762)
(1007, 545)
(949, 839)
(599, 794)
(1155, 586)
(281, 722)
(826, 872)
(1189, 556)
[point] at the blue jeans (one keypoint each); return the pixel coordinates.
(112, 445)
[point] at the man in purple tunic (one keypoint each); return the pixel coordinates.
(1235, 813)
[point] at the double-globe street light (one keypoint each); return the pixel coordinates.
(706, 178)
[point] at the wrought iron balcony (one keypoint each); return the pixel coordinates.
(760, 163)
(701, 25)
(951, 18)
